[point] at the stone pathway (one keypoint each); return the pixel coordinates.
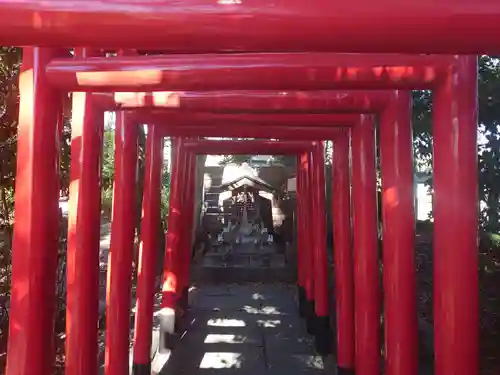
(235, 330)
(244, 330)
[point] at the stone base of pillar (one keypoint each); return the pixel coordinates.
(168, 325)
(310, 317)
(141, 369)
(183, 302)
(323, 337)
(345, 371)
(301, 299)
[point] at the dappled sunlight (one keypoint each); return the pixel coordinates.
(266, 310)
(214, 338)
(392, 73)
(105, 240)
(391, 197)
(267, 323)
(166, 99)
(216, 360)
(126, 99)
(169, 283)
(232, 330)
(257, 297)
(120, 78)
(221, 322)
(309, 361)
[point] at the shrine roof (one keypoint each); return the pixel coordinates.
(251, 181)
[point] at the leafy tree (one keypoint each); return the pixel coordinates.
(10, 60)
(488, 157)
(489, 139)
(108, 170)
(489, 148)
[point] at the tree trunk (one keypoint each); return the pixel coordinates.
(493, 214)
(5, 207)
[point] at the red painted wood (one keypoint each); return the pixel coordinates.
(343, 256)
(250, 131)
(121, 251)
(456, 221)
(35, 239)
(398, 219)
(366, 259)
(84, 233)
(248, 101)
(242, 147)
(148, 248)
(412, 26)
(256, 71)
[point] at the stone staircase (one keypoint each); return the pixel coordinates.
(245, 261)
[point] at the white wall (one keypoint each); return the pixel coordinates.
(424, 202)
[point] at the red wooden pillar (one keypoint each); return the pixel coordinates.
(343, 259)
(309, 238)
(35, 240)
(121, 250)
(398, 217)
(300, 237)
(366, 260)
(322, 314)
(171, 265)
(148, 250)
(455, 220)
(82, 313)
(187, 234)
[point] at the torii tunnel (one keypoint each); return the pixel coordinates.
(246, 69)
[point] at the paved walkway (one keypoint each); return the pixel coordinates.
(244, 330)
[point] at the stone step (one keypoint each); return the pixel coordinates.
(250, 250)
(244, 260)
(215, 214)
(211, 209)
(212, 201)
(212, 196)
(218, 274)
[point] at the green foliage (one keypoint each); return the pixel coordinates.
(489, 146)
(489, 150)
(494, 238)
(10, 60)
(236, 159)
(108, 159)
(286, 160)
(422, 130)
(108, 174)
(489, 137)
(488, 159)
(108, 170)
(165, 192)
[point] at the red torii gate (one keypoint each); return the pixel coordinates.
(411, 26)
(454, 116)
(245, 71)
(394, 141)
(328, 100)
(248, 101)
(441, 107)
(120, 303)
(331, 118)
(367, 305)
(244, 147)
(176, 274)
